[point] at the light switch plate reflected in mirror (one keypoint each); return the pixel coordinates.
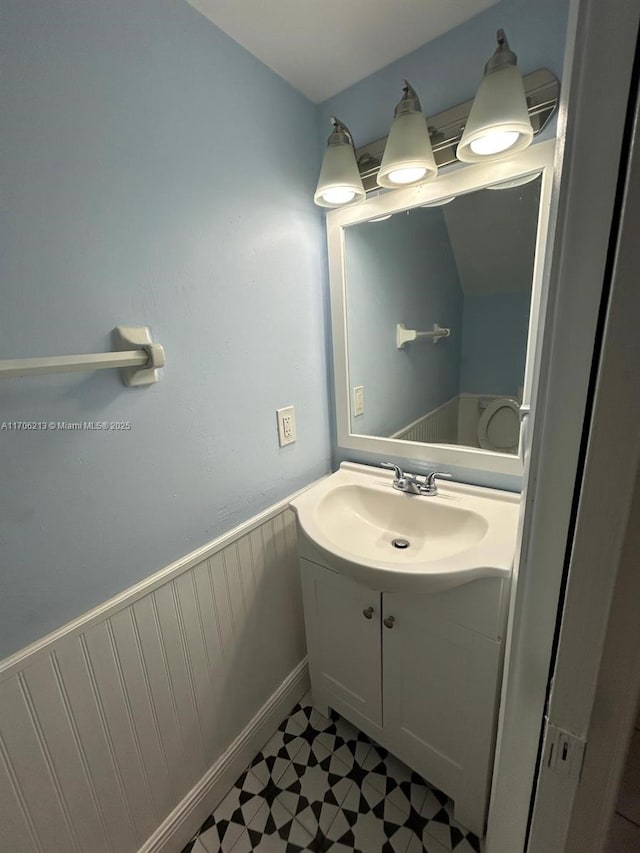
(358, 400)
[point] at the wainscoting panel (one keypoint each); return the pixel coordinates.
(440, 426)
(107, 725)
(455, 422)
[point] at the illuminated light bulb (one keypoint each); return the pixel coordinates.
(339, 182)
(338, 195)
(498, 125)
(407, 176)
(408, 157)
(494, 143)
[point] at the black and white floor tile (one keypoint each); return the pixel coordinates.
(321, 785)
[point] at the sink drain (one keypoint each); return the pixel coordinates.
(400, 543)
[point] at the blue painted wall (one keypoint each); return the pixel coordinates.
(494, 343)
(153, 172)
(401, 270)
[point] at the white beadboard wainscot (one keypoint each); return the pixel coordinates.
(437, 426)
(122, 730)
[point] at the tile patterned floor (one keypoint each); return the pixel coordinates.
(322, 785)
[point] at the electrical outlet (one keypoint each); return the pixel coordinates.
(286, 425)
(358, 400)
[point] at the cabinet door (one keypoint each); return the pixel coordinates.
(343, 635)
(440, 692)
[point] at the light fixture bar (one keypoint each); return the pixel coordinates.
(541, 88)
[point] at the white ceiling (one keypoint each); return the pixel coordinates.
(323, 46)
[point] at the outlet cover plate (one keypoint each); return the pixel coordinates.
(286, 425)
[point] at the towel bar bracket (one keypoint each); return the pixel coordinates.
(139, 337)
(405, 336)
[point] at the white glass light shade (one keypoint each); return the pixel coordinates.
(498, 124)
(408, 157)
(339, 182)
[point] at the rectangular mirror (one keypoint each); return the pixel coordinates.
(436, 294)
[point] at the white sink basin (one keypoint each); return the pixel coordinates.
(351, 520)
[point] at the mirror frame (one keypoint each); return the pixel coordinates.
(455, 181)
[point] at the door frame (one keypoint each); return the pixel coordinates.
(596, 82)
(596, 678)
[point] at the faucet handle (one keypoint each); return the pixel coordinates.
(399, 473)
(431, 476)
(430, 487)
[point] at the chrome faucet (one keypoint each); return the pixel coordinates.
(410, 483)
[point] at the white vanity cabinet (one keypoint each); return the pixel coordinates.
(343, 627)
(418, 673)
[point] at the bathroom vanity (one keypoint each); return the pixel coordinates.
(437, 299)
(407, 643)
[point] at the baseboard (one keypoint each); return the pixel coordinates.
(188, 816)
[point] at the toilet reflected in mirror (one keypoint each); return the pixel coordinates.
(499, 425)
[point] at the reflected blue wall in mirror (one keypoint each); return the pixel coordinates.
(494, 343)
(401, 270)
(466, 266)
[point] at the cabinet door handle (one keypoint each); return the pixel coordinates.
(389, 621)
(368, 612)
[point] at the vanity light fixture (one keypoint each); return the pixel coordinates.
(408, 157)
(498, 124)
(521, 107)
(339, 182)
